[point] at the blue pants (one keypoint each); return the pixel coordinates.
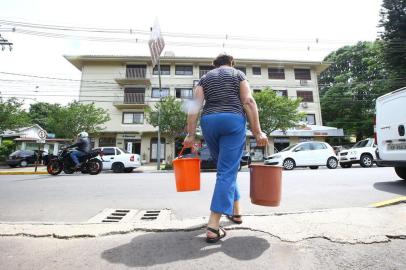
(224, 134)
(75, 155)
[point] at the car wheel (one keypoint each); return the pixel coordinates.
(128, 170)
(23, 163)
(345, 165)
(332, 163)
(118, 167)
(401, 172)
(366, 160)
(314, 167)
(289, 164)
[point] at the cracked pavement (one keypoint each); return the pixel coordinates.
(348, 238)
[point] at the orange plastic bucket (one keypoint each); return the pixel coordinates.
(265, 185)
(187, 173)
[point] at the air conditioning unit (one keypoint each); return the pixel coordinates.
(303, 82)
(304, 104)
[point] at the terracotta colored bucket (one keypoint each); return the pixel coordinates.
(266, 185)
(187, 173)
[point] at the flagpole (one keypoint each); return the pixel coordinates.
(158, 155)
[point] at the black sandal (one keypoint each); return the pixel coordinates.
(233, 218)
(217, 232)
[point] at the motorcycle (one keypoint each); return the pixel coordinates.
(63, 162)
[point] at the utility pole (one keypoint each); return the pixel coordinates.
(156, 45)
(4, 42)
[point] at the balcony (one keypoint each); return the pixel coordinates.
(130, 101)
(135, 75)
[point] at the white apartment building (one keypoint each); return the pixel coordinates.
(126, 85)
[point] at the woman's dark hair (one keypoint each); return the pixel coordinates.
(223, 59)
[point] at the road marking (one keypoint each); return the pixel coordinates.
(390, 202)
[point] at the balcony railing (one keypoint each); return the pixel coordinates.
(136, 73)
(134, 98)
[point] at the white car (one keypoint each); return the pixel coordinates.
(391, 131)
(119, 160)
(363, 153)
(305, 154)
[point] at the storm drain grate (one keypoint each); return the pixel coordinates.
(116, 216)
(151, 215)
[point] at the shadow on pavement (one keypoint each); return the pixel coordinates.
(396, 187)
(161, 248)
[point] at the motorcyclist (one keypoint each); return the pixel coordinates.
(82, 148)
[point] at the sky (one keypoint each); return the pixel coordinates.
(266, 29)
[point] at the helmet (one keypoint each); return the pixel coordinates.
(83, 134)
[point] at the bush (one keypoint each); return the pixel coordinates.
(6, 148)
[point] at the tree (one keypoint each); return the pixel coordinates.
(40, 112)
(12, 115)
(349, 87)
(393, 20)
(172, 118)
(68, 121)
(276, 112)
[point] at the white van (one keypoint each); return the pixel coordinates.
(390, 131)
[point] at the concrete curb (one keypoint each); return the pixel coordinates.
(348, 225)
(21, 173)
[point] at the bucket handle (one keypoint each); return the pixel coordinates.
(183, 148)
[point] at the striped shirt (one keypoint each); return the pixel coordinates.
(221, 87)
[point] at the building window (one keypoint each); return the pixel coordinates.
(164, 92)
(243, 69)
(184, 70)
(276, 73)
(107, 141)
(133, 118)
(165, 70)
(281, 93)
(310, 119)
(185, 93)
(302, 74)
(204, 69)
(256, 70)
(307, 96)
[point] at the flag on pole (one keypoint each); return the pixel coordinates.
(156, 43)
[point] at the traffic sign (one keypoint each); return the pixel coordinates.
(42, 134)
(156, 43)
(41, 141)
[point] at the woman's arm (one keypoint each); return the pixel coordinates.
(251, 109)
(193, 115)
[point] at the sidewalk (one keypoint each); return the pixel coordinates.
(351, 238)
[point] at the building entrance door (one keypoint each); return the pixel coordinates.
(133, 146)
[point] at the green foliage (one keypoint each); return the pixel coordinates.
(275, 112)
(172, 119)
(12, 115)
(41, 111)
(349, 87)
(68, 121)
(6, 148)
(393, 20)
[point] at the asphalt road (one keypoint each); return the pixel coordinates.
(77, 198)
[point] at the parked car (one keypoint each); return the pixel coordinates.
(24, 158)
(363, 153)
(304, 154)
(390, 131)
(207, 162)
(119, 160)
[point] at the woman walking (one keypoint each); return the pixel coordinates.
(227, 103)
